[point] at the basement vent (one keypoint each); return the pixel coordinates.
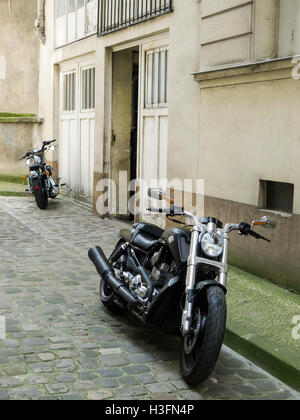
(277, 196)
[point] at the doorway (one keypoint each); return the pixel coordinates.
(125, 88)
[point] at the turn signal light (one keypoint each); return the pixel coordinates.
(48, 173)
(24, 178)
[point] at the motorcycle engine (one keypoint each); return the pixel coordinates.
(136, 285)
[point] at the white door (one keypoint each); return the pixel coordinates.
(153, 133)
(77, 117)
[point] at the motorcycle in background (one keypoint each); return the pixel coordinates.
(175, 280)
(40, 179)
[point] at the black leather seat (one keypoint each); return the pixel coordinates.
(144, 235)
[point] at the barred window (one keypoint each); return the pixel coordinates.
(88, 89)
(157, 78)
(277, 196)
(69, 92)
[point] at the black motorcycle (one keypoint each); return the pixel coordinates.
(40, 179)
(175, 280)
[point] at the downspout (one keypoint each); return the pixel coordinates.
(40, 21)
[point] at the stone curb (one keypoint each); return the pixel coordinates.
(278, 362)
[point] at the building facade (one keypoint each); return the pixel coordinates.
(194, 89)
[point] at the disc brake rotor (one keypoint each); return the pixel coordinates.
(191, 339)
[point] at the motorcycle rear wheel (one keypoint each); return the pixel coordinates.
(41, 198)
(200, 350)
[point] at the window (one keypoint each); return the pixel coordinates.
(75, 19)
(157, 78)
(88, 89)
(69, 92)
(277, 196)
(72, 5)
(60, 8)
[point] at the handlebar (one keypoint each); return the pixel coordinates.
(45, 143)
(243, 228)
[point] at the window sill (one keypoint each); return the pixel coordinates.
(277, 213)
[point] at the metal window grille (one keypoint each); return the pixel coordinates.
(69, 92)
(117, 14)
(88, 89)
(157, 78)
(278, 196)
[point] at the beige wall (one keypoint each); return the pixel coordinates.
(19, 70)
(15, 140)
(20, 48)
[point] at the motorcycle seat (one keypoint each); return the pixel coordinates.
(144, 235)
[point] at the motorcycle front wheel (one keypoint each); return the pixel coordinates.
(200, 350)
(41, 198)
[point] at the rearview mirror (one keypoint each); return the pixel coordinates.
(265, 222)
(159, 194)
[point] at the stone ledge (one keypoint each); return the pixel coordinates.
(8, 117)
(270, 69)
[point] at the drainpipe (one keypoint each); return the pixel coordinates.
(40, 21)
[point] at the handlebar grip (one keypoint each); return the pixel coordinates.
(158, 210)
(173, 211)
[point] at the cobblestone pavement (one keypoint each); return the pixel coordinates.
(62, 344)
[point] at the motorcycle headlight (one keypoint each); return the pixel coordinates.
(29, 161)
(212, 244)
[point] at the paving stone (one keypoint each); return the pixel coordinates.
(159, 387)
(65, 378)
(108, 383)
(57, 388)
(15, 370)
(67, 365)
(86, 375)
(110, 373)
(134, 369)
(103, 394)
(3, 395)
(72, 397)
(10, 382)
(46, 357)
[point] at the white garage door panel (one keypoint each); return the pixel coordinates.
(150, 149)
(91, 157)
(64, 151)
(85, 156)
(73, 141)
(77, 129)
(163, 147)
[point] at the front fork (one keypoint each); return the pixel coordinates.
(193, 261)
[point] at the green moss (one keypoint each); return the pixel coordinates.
(15, 179)
(10, 117)
(14, 115)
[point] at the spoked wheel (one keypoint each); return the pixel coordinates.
(200, 350)
(107, 296)
(41, 198)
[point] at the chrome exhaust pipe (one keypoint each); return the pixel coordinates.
(106, 272)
